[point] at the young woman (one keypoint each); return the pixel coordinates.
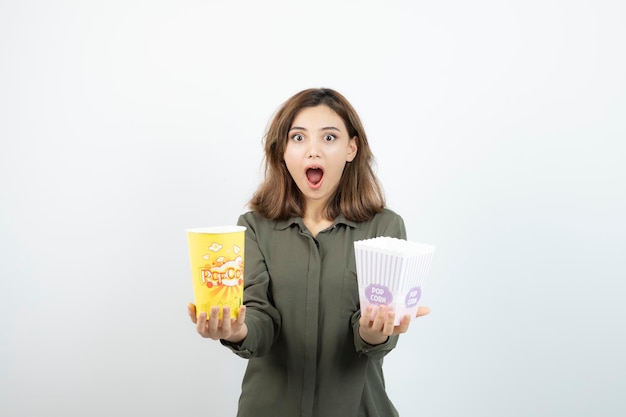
(311, 352)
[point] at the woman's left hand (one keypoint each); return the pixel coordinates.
(377, 330)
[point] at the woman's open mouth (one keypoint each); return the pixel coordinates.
(314, 176)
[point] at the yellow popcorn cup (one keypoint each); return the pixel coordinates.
(217, 259)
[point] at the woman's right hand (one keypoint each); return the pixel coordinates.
(212, 327)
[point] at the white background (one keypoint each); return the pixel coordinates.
(498, 128)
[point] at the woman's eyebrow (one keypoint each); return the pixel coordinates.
(321, 129)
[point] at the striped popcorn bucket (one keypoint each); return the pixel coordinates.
(392, 272)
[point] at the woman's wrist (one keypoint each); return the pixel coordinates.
(238, 337)
(373, 340)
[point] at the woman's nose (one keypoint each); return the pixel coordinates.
(313, 150)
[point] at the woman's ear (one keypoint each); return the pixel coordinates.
(352, 149)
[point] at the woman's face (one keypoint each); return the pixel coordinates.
(317, 151)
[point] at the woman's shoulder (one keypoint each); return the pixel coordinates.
(252, 218)
(385, 223)
(387, 216)
(256, 220)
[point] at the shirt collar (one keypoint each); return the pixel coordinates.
(342, 220)
(284, 224)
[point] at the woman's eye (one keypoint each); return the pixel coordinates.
(297, 137)
(329, 137)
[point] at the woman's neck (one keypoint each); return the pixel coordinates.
(314, 218)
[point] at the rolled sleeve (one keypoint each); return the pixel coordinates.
(262, 318)
(364, 348)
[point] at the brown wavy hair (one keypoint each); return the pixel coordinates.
(358, 196)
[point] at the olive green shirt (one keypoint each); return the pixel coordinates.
(306, 358)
